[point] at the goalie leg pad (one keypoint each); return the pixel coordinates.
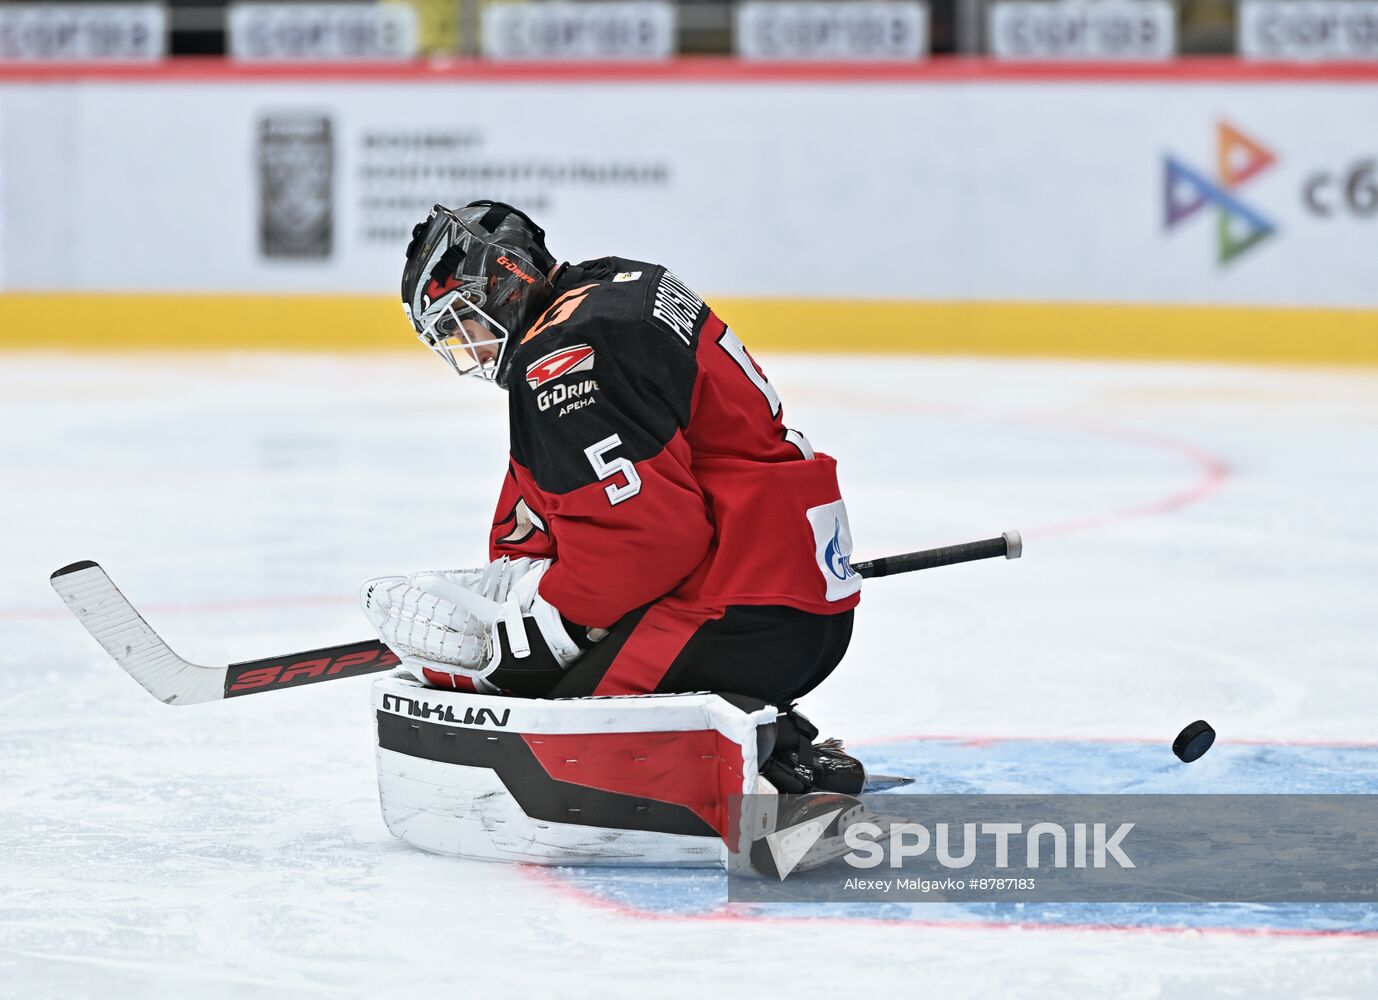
(610, 781)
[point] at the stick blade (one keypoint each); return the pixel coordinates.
(103, 611)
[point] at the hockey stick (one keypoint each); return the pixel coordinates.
(92, 596)
(1009, 545)
(106, 613)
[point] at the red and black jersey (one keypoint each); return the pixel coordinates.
(650, 460)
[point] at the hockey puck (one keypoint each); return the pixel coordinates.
(1193, 742)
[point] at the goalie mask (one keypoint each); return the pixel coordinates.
(475, 278)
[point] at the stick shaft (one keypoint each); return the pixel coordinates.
(1007, 546)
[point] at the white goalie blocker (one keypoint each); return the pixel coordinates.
(651, 780)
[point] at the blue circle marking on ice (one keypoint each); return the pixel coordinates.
(1032, 766)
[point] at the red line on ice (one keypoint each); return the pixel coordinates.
(984, 740)
(1212, 471)
(746, 914)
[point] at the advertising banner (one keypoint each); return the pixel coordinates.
(599, 29)
(818, 29)
(1082, 29)
(1108, 191)
(321, 31)
(296, 183)
(91, 32)
(1305, 30)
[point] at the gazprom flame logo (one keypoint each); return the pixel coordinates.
(1186, 191)
(839, 562)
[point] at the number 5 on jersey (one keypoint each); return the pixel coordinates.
(607, 469)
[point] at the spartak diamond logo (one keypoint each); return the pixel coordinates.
(558, 363)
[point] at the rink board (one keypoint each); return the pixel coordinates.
(996, 765)
(1204, 209)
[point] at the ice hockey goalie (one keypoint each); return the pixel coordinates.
(659, 531)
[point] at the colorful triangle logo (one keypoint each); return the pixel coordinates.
(1238, 157)
(1185, 192)
(1233, 240)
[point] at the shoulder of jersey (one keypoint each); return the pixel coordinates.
(612, 294)
(597, 302)
(624, 305)
(595, 297)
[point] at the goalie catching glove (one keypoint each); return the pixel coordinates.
(490, 626)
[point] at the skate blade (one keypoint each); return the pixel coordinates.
(885, 782)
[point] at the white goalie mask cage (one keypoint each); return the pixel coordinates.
(466, 294)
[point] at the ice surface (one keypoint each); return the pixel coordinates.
(1200, 543)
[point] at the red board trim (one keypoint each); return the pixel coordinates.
(702, 69)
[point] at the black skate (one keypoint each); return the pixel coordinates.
(835, 770)
(799, 765)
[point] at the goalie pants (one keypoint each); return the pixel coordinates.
(776, 654)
